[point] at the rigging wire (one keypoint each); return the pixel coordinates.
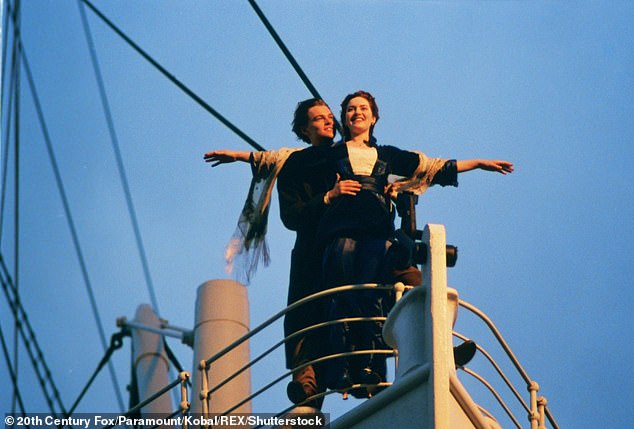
(173, 79)
(69, 218)
(116, 341)
(115, 146)
(37, 358)
(14, 378)
(5, 155)
(10, 104)
(16, 18)
(71, 224)
(120, 166)
(5, 137)
(289, 56)
(5, 25)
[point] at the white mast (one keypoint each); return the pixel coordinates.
(150, 361)
(222, 316)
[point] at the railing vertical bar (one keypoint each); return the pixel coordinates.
(184, 404)
(204, 387)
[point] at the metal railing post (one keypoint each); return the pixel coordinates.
(184, 404)
(204, 389)
(541, 406)
(533, 388)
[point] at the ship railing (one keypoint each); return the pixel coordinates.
(184, 406)
(203, 369)
(537, 408)
(206, 391)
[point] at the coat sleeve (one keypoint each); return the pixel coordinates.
(420, 171)
(300, 204)
(447, 175)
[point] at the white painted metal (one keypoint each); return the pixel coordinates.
(435, 274)
(222, 316)
(150, 362)
(426, 393)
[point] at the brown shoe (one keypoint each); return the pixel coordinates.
(298, 392)
(410, 276)
(303, 386)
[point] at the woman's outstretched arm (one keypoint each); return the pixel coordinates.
(499, 166)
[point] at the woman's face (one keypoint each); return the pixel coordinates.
(359, 116)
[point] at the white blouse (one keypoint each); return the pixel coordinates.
(362, 159)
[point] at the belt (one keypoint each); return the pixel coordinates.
(370, 183)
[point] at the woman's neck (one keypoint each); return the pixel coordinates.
(362, 139)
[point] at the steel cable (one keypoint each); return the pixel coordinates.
(69, 217)
(29, 340)
(289, 56)
(120, 167)
(173, 79)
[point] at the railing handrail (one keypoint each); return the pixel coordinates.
(495, 394)
(312, 362)
(293, 306)
(182, 377)
(293, 335)
(500, 338)
(506, 380)
(236, 343)
(531, 384)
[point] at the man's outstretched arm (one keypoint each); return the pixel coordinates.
(223, 156)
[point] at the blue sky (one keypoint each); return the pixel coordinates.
(545, 251)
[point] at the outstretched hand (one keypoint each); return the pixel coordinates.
(503, 167)
(218, 157)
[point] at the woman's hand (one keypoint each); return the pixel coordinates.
(499, 166)
(390, 192)
(503, 167)
(218, 157)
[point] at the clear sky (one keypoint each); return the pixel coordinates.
(546, 251)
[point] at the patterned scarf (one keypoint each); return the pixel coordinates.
(247, 245)
(422, 177)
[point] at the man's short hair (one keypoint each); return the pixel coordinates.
(300, 119)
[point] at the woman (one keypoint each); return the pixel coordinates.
(357, 228)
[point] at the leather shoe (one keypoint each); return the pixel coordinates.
(463, 353)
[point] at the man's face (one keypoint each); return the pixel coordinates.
(320, 126)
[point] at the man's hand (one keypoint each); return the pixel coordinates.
(218, 157)
(344, 187)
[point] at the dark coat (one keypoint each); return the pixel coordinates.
(370, 214)
(301, 185)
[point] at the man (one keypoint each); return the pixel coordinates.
(302, 186)
(301, 207)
